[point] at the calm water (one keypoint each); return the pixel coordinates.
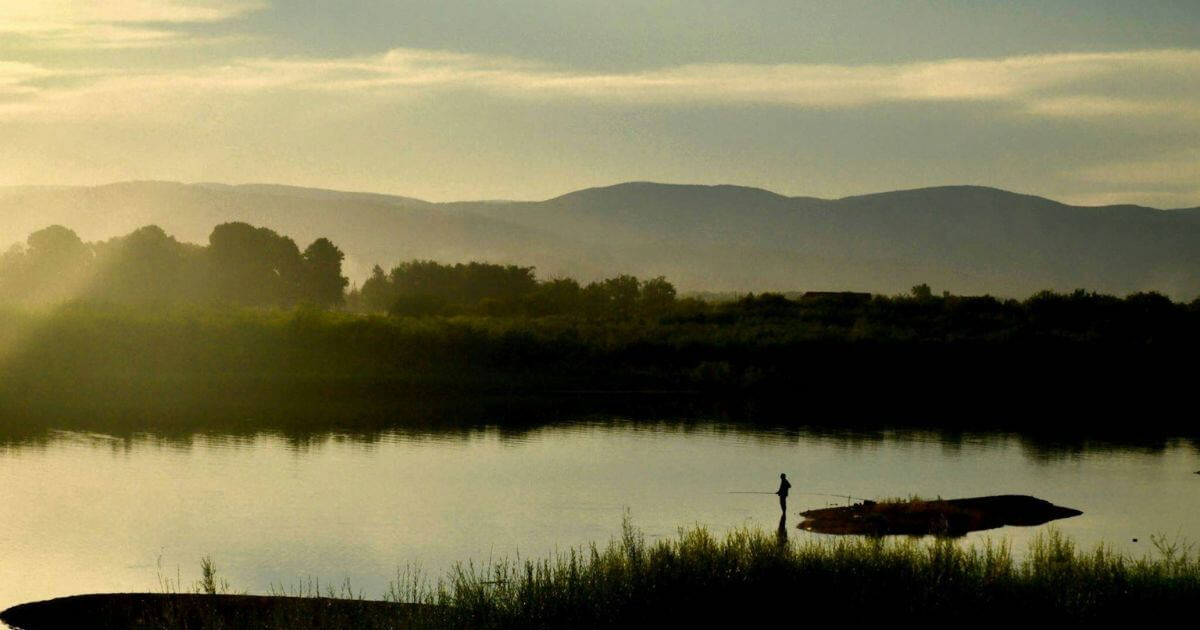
(90, 513)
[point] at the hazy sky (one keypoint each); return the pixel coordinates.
(1091, 101)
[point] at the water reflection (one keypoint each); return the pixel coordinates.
(274, 504)
(1037, 449)
(517, 420)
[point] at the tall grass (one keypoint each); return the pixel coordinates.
(749, 576)
(739, 579)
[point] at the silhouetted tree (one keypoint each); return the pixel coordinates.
(377, 293)
(52, 266)
(12, 273)
(612, 297)
(146, 266)
(657, 296)
(424, 287)
(559, 296)
(254, 266)
(324, 284)
(922, 292)
(242, 265)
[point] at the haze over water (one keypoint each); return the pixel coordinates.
(92, 513)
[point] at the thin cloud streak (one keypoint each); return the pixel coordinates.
(1046, 85)
(119, 11)
(1035, 78)
(1135, 94)
(1181, 169)
(87, 24)
(1112, 106)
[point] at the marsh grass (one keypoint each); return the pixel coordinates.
(745, 577)
(750, 576)
(112, 368)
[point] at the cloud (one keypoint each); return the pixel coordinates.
(83, 24)
(1053, 85)
(1075, 86)
(1164, 180)
(1104, 106)
(122, 11)
(1177, 169)
(1135, 84)
(14, 76)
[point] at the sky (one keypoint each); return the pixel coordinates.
(1090, 102)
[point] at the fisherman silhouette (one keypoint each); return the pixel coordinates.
(783, 492)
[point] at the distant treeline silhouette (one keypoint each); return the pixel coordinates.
(1076, 362)
(430, 288)
(147, 327)
(245, 265)
(242, 265)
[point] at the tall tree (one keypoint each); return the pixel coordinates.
(146, 266)
(657, 296)
(56, 265)
(378, 293)
(254, 266)
(324, 284)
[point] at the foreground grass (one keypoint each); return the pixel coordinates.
(751, 576)
(745, 577)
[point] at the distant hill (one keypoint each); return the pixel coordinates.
(965, 239)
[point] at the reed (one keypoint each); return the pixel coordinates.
(751, 576)
(700, 579)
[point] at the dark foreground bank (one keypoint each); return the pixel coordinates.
(153, 610)
(700, 580)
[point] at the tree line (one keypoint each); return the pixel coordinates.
(244, 265)
(422, 287)
(241, 265)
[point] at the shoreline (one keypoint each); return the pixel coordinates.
(132, 610)
(703, 580)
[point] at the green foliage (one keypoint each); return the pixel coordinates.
(209, 584)
(53, 261)
(242, 265)
(84, 362)
(425, 288)
(323, 283)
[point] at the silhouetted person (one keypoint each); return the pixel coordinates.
(783, 492)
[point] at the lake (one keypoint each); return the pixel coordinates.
(84, 512)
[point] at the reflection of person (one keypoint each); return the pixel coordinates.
(783, 491)
(781, 534)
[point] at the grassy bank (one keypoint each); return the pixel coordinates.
(935, 362)
(747, 577)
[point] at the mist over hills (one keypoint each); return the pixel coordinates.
(965, 239)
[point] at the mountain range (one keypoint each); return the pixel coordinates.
(964, 239)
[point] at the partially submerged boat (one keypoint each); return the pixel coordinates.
(941, 517)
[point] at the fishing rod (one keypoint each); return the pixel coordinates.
(815, 494)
